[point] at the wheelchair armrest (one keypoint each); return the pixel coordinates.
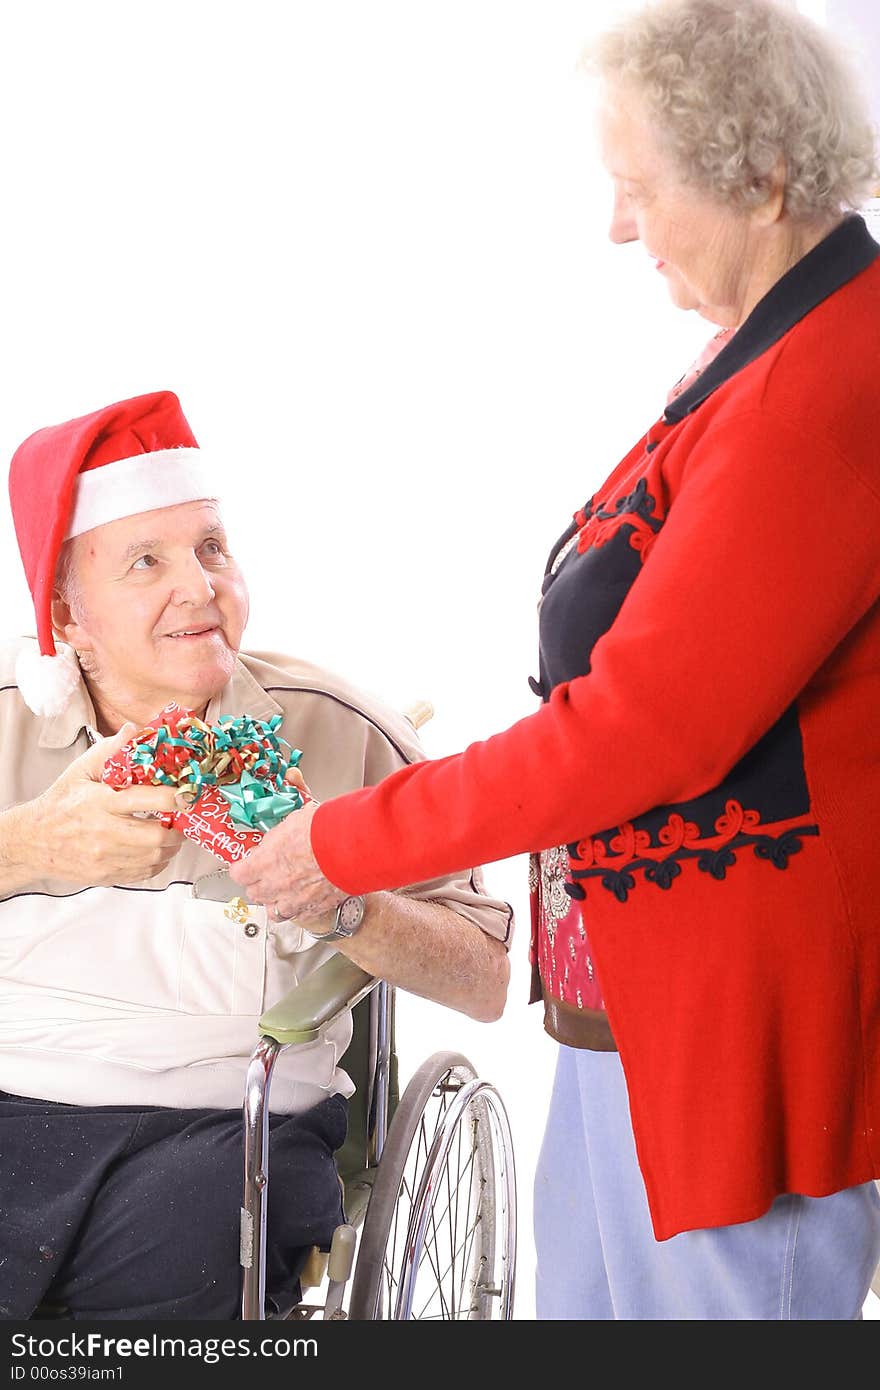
(336, 986)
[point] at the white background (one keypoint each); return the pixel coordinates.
(366, 245)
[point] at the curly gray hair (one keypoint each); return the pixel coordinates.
(732, 85)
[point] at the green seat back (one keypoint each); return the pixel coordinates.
(351, 1159)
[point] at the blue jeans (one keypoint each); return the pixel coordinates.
(806, 1258)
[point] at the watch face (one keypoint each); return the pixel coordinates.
(350, 913)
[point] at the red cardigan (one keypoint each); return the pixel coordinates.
(743, 985)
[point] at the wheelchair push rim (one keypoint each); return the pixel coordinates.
(439, 1236)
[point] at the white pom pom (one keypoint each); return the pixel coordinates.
(46, 683)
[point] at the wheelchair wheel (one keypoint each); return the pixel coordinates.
(439, 1236)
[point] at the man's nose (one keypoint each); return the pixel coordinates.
(623, 226)
(192, 583)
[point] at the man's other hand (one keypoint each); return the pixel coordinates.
(82, 831)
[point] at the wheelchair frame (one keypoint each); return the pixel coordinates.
(411, 1153)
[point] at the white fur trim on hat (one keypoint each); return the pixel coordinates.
(46, 683)
(139, 484)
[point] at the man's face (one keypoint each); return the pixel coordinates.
(157, 609)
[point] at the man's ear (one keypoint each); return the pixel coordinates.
(65, 626)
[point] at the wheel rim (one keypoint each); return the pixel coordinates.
(449, 1253)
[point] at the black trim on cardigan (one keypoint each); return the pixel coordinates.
(563, 539)
(839, 257)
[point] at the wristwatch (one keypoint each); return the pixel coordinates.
(349, 918)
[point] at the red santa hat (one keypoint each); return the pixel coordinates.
(130, 457)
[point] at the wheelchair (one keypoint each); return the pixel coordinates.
(428, 1177)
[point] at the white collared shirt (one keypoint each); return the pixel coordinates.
(145, 994)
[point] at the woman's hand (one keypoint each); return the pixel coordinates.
(283, 873)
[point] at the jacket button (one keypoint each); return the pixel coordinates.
(251, 929)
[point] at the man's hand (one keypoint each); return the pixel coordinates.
(82, 831)
(282, 873)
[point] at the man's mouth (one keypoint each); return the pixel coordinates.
(192, 632)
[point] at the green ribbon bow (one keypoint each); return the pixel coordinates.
(254, 804)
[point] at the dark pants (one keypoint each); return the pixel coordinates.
(125, 1212)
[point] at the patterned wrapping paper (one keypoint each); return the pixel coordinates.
(230, 777)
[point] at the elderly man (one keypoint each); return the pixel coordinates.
(129, 998)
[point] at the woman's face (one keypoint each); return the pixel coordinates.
(705, 250)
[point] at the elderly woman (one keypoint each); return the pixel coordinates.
(704, 773)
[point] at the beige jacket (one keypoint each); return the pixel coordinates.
(144, 994)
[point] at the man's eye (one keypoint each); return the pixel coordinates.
(213, 550)
(146, 562)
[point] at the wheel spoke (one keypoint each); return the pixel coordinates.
(404, 1187)
(449, 1223)
(468, 1256)
(418, 1151)
(446, 1208)
(435, 1222)
(468, 1235)
(463, 1263)
(474, 1178)
(426, 1251)
(452, 1211)
(422, 1148)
